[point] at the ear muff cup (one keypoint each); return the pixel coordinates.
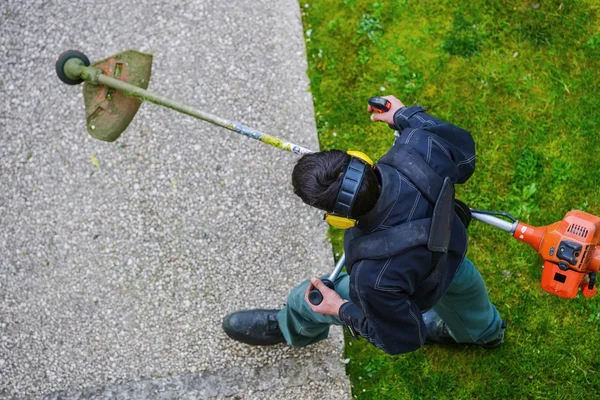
(349, 190)
(339, 222)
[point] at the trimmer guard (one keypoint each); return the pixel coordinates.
(108, 112)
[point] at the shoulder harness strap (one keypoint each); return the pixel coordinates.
(438, 191)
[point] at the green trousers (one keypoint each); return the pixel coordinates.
(465, 308)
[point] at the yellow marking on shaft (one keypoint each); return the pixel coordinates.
(273, 141)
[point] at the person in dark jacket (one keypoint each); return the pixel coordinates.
(397, 293)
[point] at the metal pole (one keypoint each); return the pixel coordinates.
(338, 268)
(74, 68)
(497, 222)
(143, 94)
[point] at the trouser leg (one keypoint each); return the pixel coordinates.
(466, 308)
(302, 326)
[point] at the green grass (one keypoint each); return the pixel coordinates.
(526, 82)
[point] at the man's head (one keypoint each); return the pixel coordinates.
(317, 178)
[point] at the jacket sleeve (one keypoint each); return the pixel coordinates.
(414, 117)
(444, 146)
(385, 316)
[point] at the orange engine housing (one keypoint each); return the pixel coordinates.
(570, 250)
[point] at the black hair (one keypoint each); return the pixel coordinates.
(317, 178)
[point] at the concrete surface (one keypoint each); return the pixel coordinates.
(119, 260)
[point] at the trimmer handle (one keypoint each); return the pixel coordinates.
(315, 297)
(380, 104)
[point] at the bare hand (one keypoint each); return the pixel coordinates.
(331, 300)
(387, 116)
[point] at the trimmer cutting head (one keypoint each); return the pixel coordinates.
(108, 112)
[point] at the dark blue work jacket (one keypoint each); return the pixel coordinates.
(386, 303)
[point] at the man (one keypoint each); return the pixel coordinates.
(408, 279)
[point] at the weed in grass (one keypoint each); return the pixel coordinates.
(523, 198)
(562, 170)
(463, 40)
(402, 76)
(594, 42)
(594, 309)
(528, 167)
(363, 55)
(371, 27)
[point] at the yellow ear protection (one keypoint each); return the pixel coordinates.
(353, 177)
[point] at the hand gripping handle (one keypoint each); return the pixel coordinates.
(380, 104)
(315, 297)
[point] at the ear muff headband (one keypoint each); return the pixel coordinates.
(349, 188)
(362, 156)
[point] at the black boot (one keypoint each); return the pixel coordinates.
(498, 341)
(256, 327)
(437, 331)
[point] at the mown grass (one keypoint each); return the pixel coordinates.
(524, 79)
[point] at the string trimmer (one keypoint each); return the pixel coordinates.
(116, 86)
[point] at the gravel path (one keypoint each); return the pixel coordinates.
(119, 260)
